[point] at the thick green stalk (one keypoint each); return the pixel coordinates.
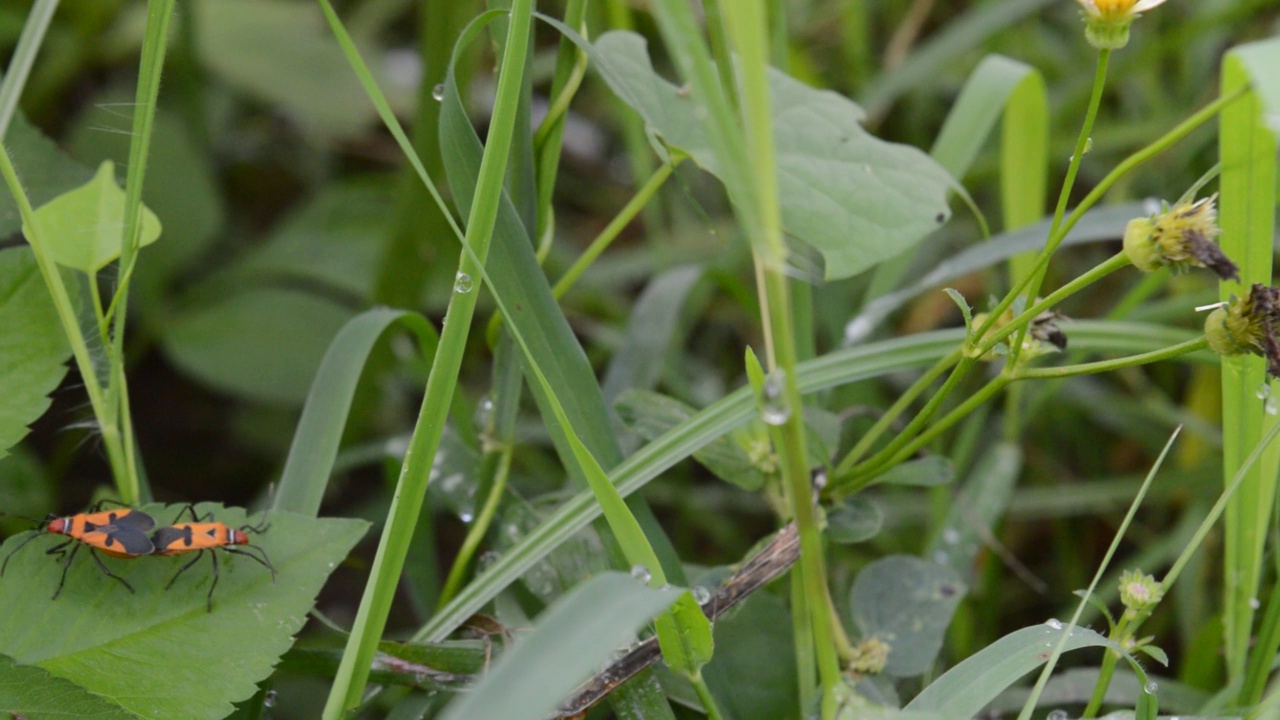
(747, 26)
(406, 504)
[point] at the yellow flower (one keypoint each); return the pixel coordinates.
(1107, 21)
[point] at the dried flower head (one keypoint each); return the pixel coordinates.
(1248, 325)
(1043, 334)
(1179, 237)
(1139, 591)
(1107, 21)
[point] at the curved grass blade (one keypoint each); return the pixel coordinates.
(315, 443)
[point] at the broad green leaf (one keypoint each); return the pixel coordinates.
(856, 199)
(979, 505)
(157, 651)
(925, 472)
(854, 520)
(684, 633)
(652, 414)
(906, 602)
(263, 344)
(1260, 60)
(279, 52)
(335, 239)
(45, 171)
(37, 695)
(755, 657)
(574, 638)
(324, 417)
(1247, 212)
(83, 228)
(737, 409)
(964, 690)
(33, 348)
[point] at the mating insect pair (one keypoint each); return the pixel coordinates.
(126, 533)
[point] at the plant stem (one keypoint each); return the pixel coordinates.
(895, 410)
(1092, 368)
(708, 700)
(478, 529)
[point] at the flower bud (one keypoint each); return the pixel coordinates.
(1107, 21)
(1248, 324)
(1139, 591)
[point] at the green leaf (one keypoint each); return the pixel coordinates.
(45, 170)
(755, 657)
(335, 239)
(655, 316)
(964, 690)
(315, 443)
(158, 651)
(83, 227)
(854, 520)
(856, 199)
(908, 603)
(977, 508)
(652, 414)
(572, 639)
(925, 472)
(684, 633)
(37, 695)
(982, 101)
(1260, 60)
(33, 348)
(264, 344)
(278, 52)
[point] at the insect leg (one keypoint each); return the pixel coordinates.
(110, 574)
(183, 569)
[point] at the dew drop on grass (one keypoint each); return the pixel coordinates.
(701, 594)
(641, 573)
(1057, 715)
(1263, 392)
(437, 92)
(950, 536)
(484, 414)
(1054, 623)
(775, 410)
(1270, 406)
(269, 700)
(1151, 687)
(1255, 603)
(462, 283)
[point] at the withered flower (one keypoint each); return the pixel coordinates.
(1180, 237)
(1248, 325)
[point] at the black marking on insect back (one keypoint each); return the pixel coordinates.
(135, 520)
(212, 533)
(134, 542)
(165, 538)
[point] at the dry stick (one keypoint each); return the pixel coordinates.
(772, 560)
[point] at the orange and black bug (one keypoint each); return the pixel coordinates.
(121, 532)
(203, 534)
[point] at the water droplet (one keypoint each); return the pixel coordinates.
(1054, 623)
(466, 516)
(269, 700)
(1150, 688)
(437, 92)
(1270, 406)
(701, 595)
(641, 573)
(819, 478)
(1263, 392)
(488, 558)
(462, 283)
(484, 414)
(775, 411)
(1057, 715)
(950, 536)
(1255, 603)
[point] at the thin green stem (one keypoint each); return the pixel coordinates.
(1173, 351)
(851, 480)
(1105, 673)
(475, 535)
(895, 410)
(708, 700)
(864, 476)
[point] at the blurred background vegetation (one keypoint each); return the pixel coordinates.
(287, 210)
